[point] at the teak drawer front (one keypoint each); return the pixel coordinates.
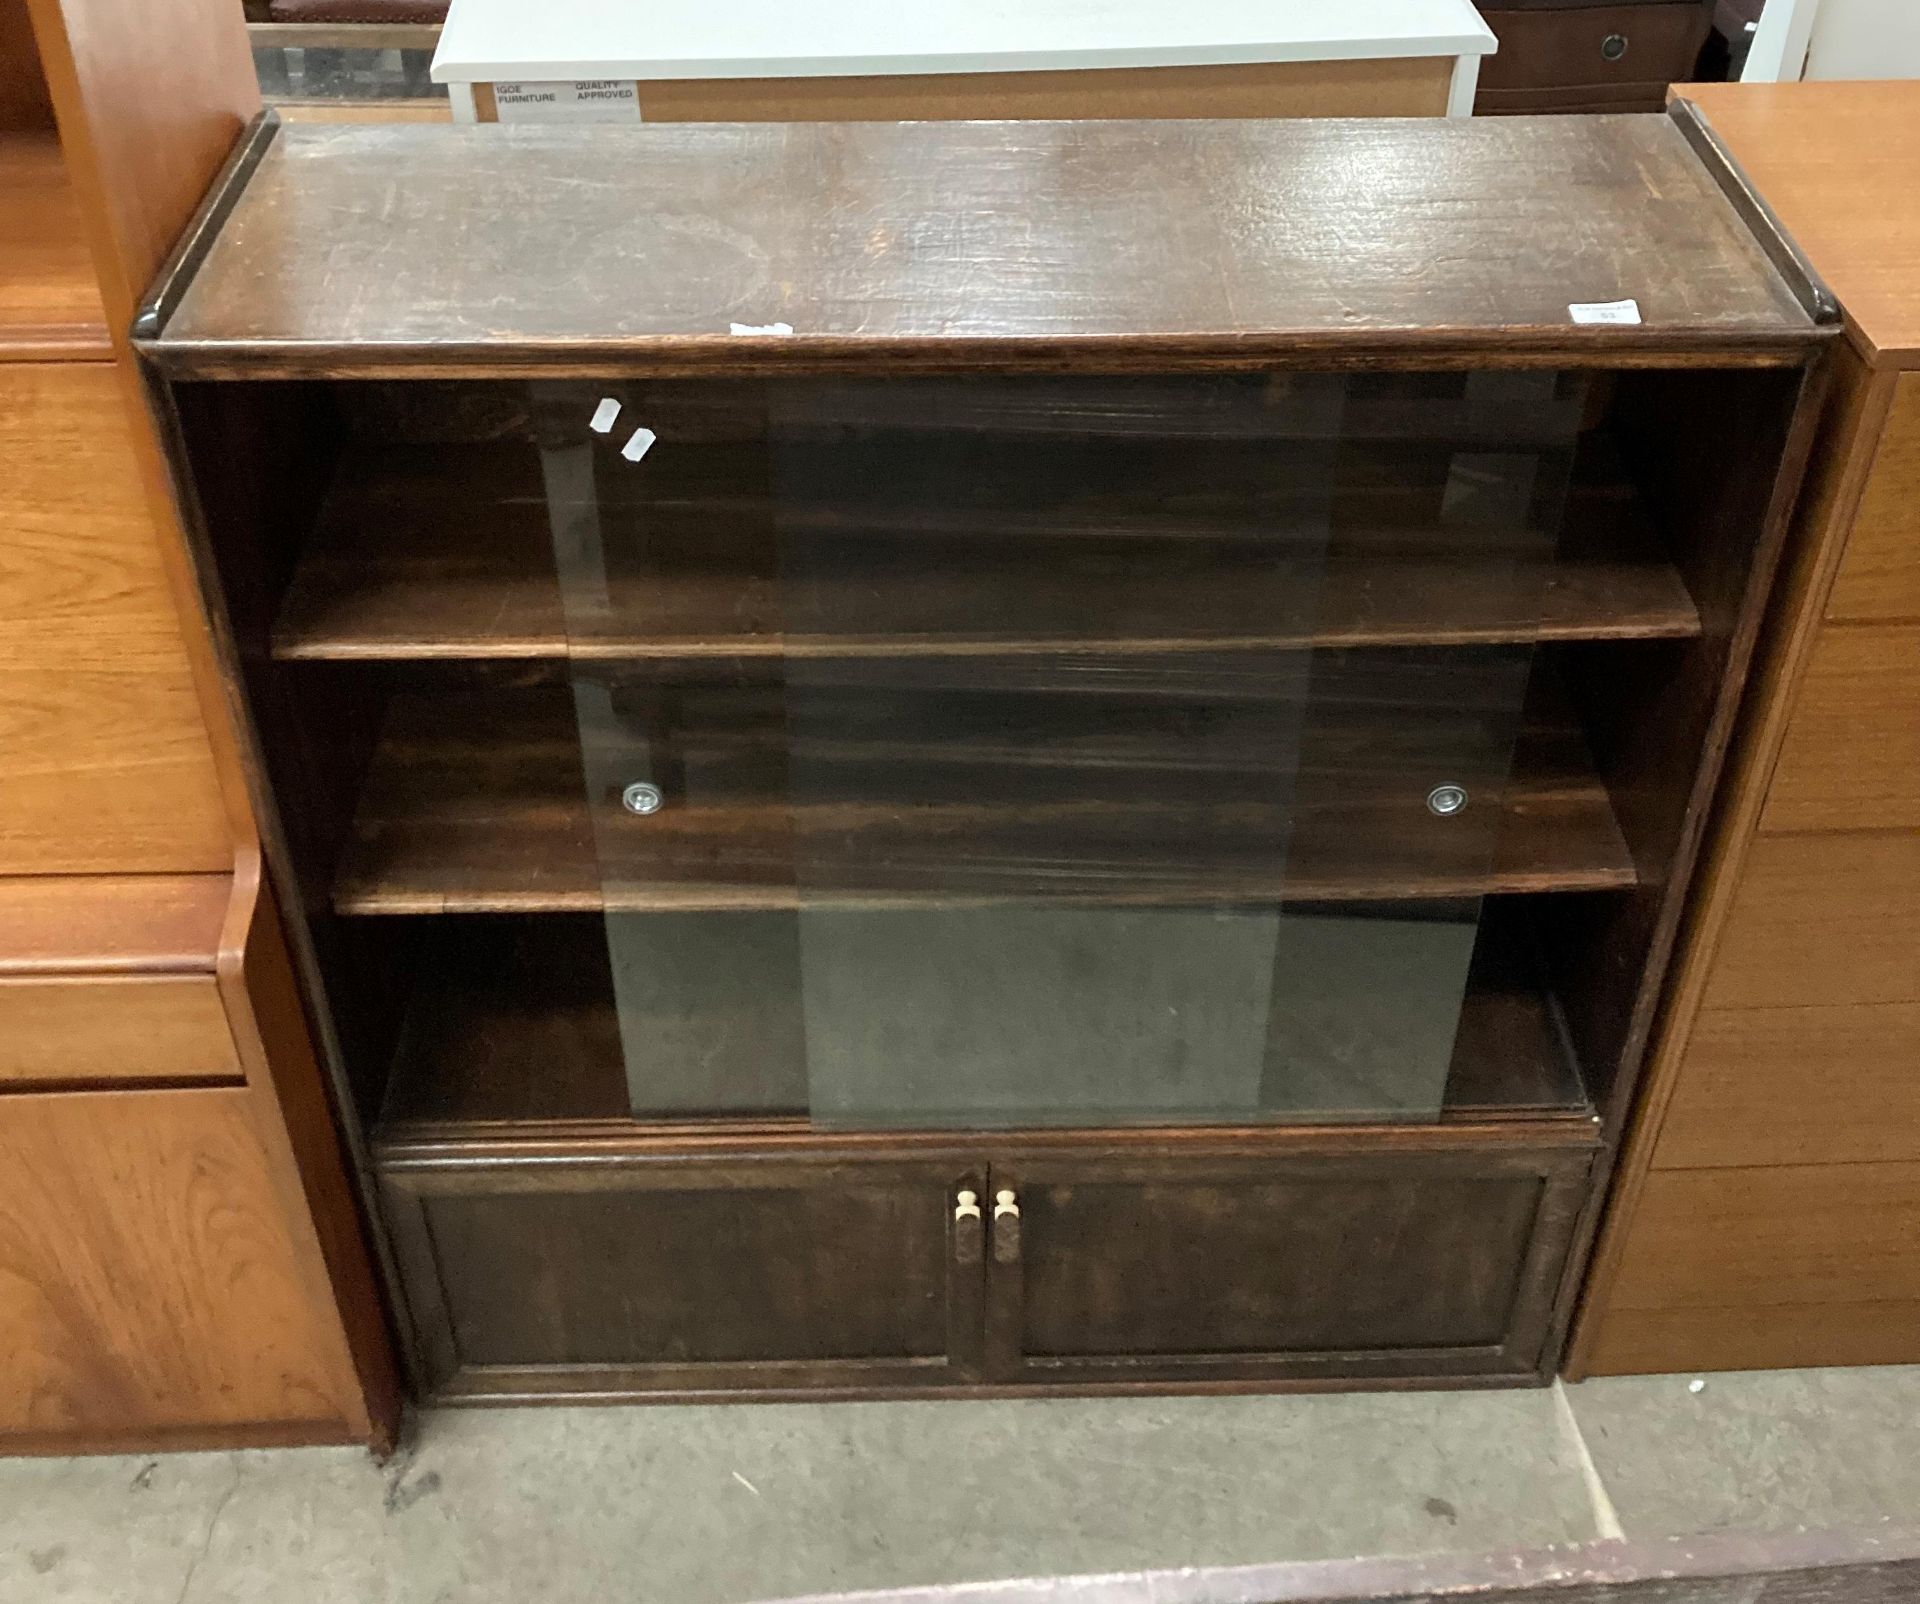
(1851, 760)
(1264, 1269)
(1879, 578)
(147, 1279)
(1755, 1238)
(1822, 920)
(647, 1275)
(1780, 1336)
(108, 767)
(114, 1028)
(1615, 52)
(1767, 1086)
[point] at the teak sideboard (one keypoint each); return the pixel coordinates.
(962, 756)
(181, 1260)
(1768, 1212)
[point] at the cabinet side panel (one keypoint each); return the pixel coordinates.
(145, 1281)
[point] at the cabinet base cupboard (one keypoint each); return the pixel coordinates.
(985, 756)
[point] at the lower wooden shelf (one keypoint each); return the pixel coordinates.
(514, 1032)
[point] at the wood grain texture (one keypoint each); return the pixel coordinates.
(827, 224)
(145, 1278)
(1827, 156)
(149, 99)
(313, 1162)
(108, 767)
(1782, 1086)
(23, 88)
(112, 924)
(81, 578)
(148, 102)
(1415, 87)
(1778, 1336)
(1852, 755)
(1823, 919)
(1794, 1235)
(1879, 578)
(1002, 564)
(514, 1023)
(49, 300)
(480, 805)
(796, 1274)
(1854, 407)
(1187, 1268)
(906, 1307)
(104, 1031)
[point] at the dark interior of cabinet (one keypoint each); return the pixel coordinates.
(390, 579)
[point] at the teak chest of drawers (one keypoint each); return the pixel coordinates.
(947, 756)
(1768, 1212)
(181, 1263)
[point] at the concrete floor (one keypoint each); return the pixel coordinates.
(731, 1504)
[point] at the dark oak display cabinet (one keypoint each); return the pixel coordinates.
(985, 755)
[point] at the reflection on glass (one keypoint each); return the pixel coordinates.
(1001, 752)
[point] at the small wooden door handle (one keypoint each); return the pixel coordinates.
(968, 1227)
(1006, 1226)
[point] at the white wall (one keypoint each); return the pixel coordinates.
(1865, 39)
(1836, 39)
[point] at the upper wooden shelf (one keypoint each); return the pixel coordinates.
(447, 553)
(1140, 246)
(49, 296)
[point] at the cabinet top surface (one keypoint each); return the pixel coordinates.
(768, 247)
(1840, 164)
(495, 39)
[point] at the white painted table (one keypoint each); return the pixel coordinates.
(509, 60)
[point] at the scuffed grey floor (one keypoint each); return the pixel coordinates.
(745, 1503)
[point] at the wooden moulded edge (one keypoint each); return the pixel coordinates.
(1771, 234)
(190, 250)
(717, 356)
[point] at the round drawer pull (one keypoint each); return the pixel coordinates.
(1614, 46)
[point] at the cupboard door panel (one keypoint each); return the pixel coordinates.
(1852, 755)
(1186, 1268)
(650, 1276)
(108, 767)
(147, 1276)
(118, 1028)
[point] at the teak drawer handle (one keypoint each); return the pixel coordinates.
(967, 1226)
(1006, 1226)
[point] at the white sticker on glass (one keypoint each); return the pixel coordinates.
(605, 416)
(639, 443)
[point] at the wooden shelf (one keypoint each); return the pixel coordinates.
(513, 1029)
(1166, 794)
(447, 553)
(49, 296)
